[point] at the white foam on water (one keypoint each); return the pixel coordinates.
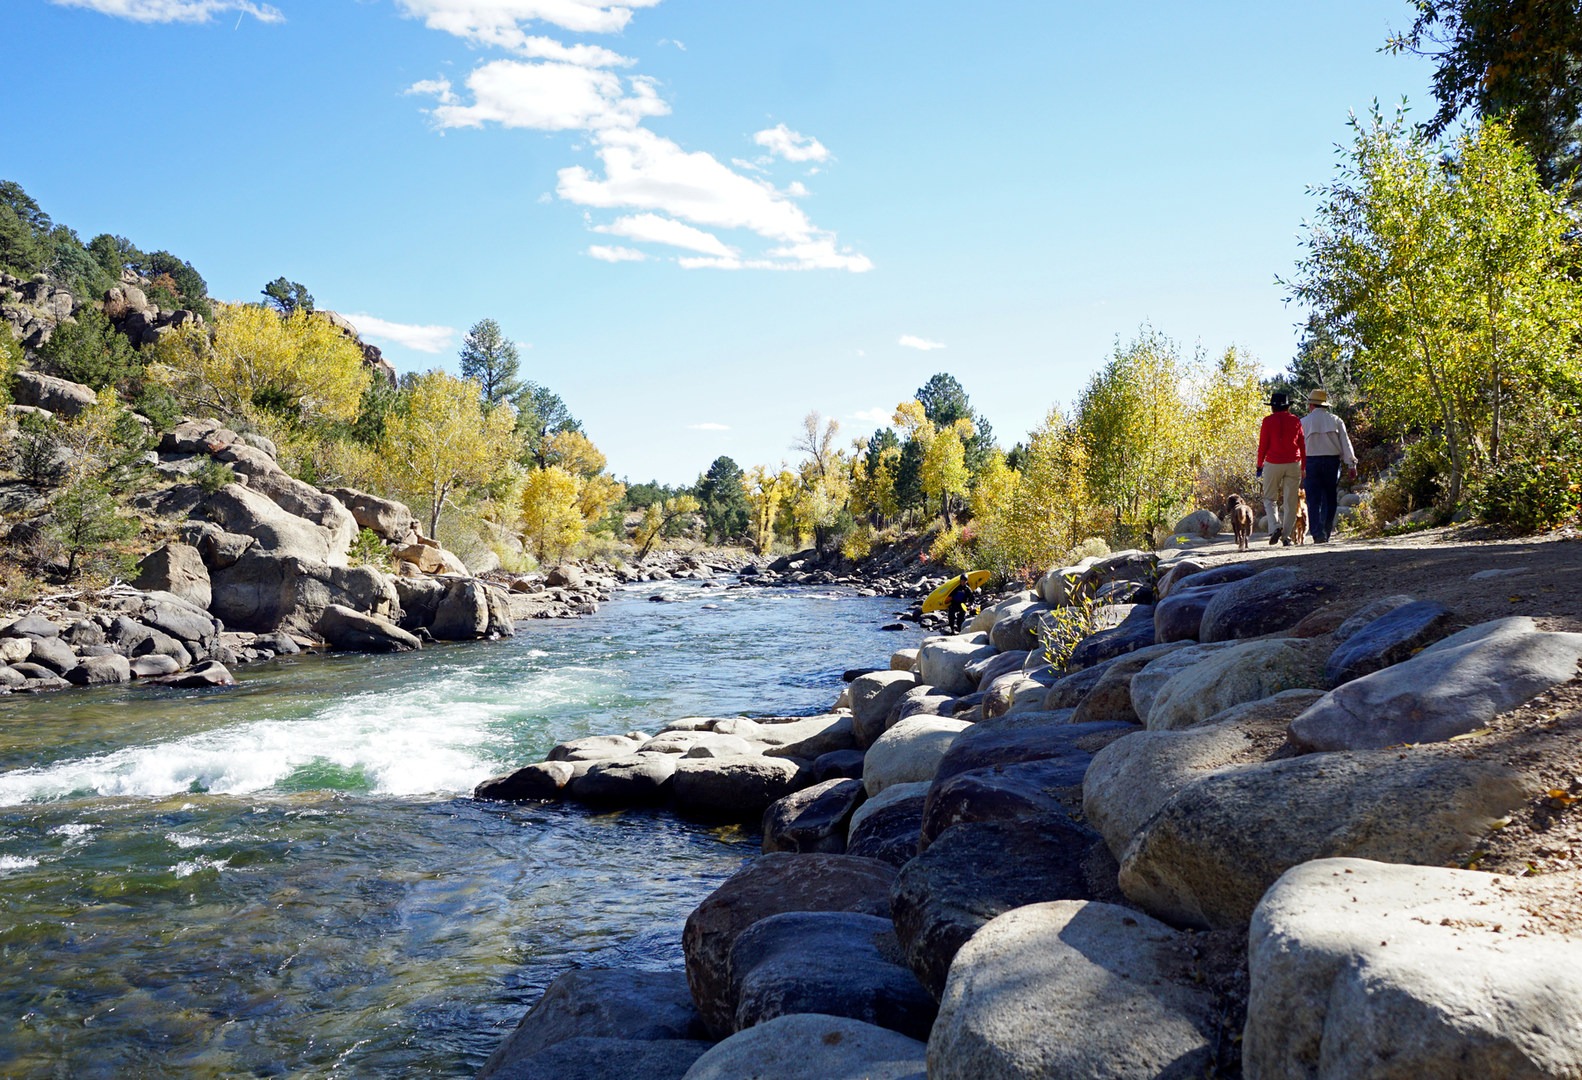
(434, 738)
(9, 863)
(185, 840)
(202, 862)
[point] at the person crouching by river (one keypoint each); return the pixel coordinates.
(961, 599)
(1328, 446)
(1280, 454)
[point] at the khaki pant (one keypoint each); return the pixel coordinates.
(1281, 483)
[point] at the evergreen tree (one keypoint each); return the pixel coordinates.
(723, 501)
(288, 296)
(491, 360)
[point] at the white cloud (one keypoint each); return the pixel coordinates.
(499, 22)
(797, 189)
(729, 262)
(653, 229)
(913, 342)
(882, 417)
(172, 11)
(681, 45)
(606, 253)
(544, 96)
(708, 427)
(791, 145)
(428, 339)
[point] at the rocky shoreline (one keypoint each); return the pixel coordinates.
(1235, 832)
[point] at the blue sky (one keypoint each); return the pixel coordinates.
(703, 220)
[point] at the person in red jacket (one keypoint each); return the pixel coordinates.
(1281, 453)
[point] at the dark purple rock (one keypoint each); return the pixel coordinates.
(1179, 616)
(1004, 793)
(1135, 632)
(890, 834)
(813, 819)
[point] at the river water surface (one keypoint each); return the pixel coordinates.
(286, 878)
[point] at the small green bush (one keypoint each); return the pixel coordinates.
(1538, 484)
(213, 475)
(35, 451)
(369, 550)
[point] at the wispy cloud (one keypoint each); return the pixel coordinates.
(678, 195)
(426, 339)
(791, 145)
(708, 426)
(174, 11)
(616, 254)
(911, 341)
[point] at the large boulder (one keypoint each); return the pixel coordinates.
(596, 747)
(275, 530)
(469, 609)
(1364, 969)
(543, 781)
(813, 1047)
(1011, 792)
(1073, 989)
(807, 739)
(1110, 697)
(942, 661)
(100, 671)
(769, 885)
(889, 826)
(638, 780)
(352, 631)
(834, 963)
(1262, 604)
(1015, 629)
(1021, 737)
(1247, 671)
(1201, 523)
(976, 871)
(1155, 675)
(872, 698)
(1135, 632)
(1212, 850)
(909, 752)
(177, 569)
(1132, 565)
(1395, 636)
(59, 396)
(606, 1003)
(293, 496)
(1450, 688)
(391, 521)
(585, 1058)
(737, 787)
(1179, 616)
(813, 819)
(262, 592)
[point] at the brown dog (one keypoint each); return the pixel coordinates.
(1299, 530)
(1241, 520)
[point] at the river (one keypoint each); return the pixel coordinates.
(287, 878)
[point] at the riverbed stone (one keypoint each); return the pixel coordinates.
(543, 781)
(838, 765)
(100, 671)
(1391, 638)
(1011, 633)
(808, 1046)
(738, 787)
(1179, 616)
(769, 885)
(909, 752)
(584, 1058)
(53, 653)
(684, 742)
(1135, 632)
(1452, 687)
(1073, 989)
(595, 748)
(636, 780)
(924, 700)
(872, 698)
(1213, 849)
(1068, 691)
(834, 963)
(1110, 698)
(942, 661)
(1366, 969)
(1010, 792)
(889, 826)
(984, 672)
(1022, 737)
(809, 739)
(1263, 604)
(903, 660)
(1247, 671)
(175, 568)
(603, 1003)
(978, 870)
(1157, 673)
(30, 626)
(203, 675)
(813, 819)
(145, 667)
(353, 631)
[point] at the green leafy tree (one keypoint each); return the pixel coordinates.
(491, 359)
(288, 297)
(84, 520)
(114, 254)
(91, 351)
(945, 401)
(722, 499)
(24, 231)
(445, 442)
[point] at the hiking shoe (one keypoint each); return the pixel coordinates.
(1274, 537)
(1285, 541)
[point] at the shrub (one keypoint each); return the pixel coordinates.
(369, 550)
(213, 475)
(90, 351)
(84, 519)
(36, 449)
(1538, 484)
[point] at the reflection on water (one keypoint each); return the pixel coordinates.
(287, 879)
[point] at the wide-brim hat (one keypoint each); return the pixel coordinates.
(1279, 400)
(1317, 397)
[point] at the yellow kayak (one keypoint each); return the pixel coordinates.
(939, 599)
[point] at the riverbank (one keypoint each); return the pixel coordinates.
(978, 862)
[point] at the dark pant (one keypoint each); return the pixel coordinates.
(957, 614)
(1322, 485)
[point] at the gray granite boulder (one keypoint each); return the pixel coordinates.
(838, 765)
(53, 653)
(596, 747)
(834, 963)
(1452, 687)
(585, 1058)
(1365, 969)
(1157, 673)
(178, 569)
(813, 819)
(100, 671)
(1026, 737)
(1263, 604)
(769, 885)
(1391, 638)
(909, 752)
(872, 698)
(942, 661)
(543, 781)
(737, 787)
(1110, 698)
(352, 631)
(889, 826)
(813, 1047)
(1008, 792)
(638, 780)
(1073, 989)
(1247, 671)
(1179, 616)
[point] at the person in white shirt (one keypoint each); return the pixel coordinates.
(1328, 447)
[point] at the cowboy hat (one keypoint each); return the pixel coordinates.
(1317, 397)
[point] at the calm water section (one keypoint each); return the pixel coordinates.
(287, 878)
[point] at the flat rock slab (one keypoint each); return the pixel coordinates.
(635, 780)
(769, 885)
(1073, 989)
(833, 963)
(1213, 849)
(1263, 604)
(607, 1059)
(1363, 970)
(1452, 687)
(813, 819)
(735, 788)
(595, 748)
(1391, 638)
(813, 1047)
(603, 1003)
(975, 871)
